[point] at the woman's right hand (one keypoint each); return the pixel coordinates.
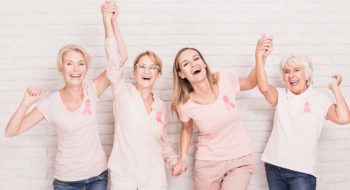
(32, 95)
(180, 167)
(263, 47)
(107, 10)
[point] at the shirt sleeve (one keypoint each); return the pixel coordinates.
(45, 108)
(327, 102)
(115, 71)
(183, 115)
(168, 152)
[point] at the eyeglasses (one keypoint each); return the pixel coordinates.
(142, 67)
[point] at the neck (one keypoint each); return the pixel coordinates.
(202, 89)
(73, 92)
(146, 93)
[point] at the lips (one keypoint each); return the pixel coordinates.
(196, 71)
(75, 75)
(146, 78)
(293, 83)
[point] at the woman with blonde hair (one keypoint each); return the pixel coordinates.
(80, 160)
(290, 155)
(223, 159)
(140, 148)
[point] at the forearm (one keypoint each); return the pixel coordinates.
(14, 125)
(262, 80)
(185, 139)
(120, 42)
(342, 109)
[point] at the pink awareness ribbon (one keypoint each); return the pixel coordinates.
(228, 102)
(159, 117)
(87, 110)
(307, 107)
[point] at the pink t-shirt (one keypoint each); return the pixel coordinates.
(141, 147)
(79, 154)
(297, 127)
(221, 132)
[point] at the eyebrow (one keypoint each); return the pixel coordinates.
(196, 55)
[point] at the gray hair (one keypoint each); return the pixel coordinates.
(299, 60)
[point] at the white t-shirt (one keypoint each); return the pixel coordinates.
(296, 130)
(79, 154)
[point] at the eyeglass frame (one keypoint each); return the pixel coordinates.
(143, 67)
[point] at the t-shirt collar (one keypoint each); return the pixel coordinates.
(305, 94)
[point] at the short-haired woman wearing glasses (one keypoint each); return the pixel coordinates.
(141, 118)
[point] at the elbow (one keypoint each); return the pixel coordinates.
(263, 89)
(8, 134)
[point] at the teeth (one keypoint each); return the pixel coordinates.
(197, 71)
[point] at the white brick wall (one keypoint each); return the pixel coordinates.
(32, 31)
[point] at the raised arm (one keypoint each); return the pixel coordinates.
(339, 112)
(247, 83)
(113, 45)
(20, 120)
(185, 139)
(263, 50)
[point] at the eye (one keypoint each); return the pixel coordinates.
(81, 63)
(196, 58)
(286, 71)
(185, 64)
(142, 66)
(68, 63)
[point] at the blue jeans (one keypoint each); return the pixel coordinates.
(280, 178)
(95, 183)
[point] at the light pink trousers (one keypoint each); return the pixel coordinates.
(224, 174)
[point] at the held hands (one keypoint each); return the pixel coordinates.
(336, 81)
(179, 168)
(264, 47)
(32, 95)
(109, 10)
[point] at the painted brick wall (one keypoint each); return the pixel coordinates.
(226, 31)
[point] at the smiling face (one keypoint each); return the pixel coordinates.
(191, 66)
(295, 79)
(73, 68)
(296, 72)
(146, 72)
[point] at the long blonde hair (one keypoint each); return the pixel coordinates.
(181, 86)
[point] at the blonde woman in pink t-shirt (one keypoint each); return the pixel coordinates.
(140, 150)
(223, 159)
(290, 155)
(80, 162)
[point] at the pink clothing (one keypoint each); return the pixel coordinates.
(79, 154)
(232, 174)
(140, 139)
(221, 132)
(297, 126)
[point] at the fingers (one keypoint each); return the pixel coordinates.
(34, 91)
(179, 168)
(337, 79)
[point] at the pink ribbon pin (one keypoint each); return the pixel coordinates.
(159, 117)
(307, 107)
(87, 110)
(228, 102)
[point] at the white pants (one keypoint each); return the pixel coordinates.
(122, 183)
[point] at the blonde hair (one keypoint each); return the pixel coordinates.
(299, 60)
(72, 47)
(154, 57)
(181, 86)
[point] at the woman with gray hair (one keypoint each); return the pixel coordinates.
(290, 155)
